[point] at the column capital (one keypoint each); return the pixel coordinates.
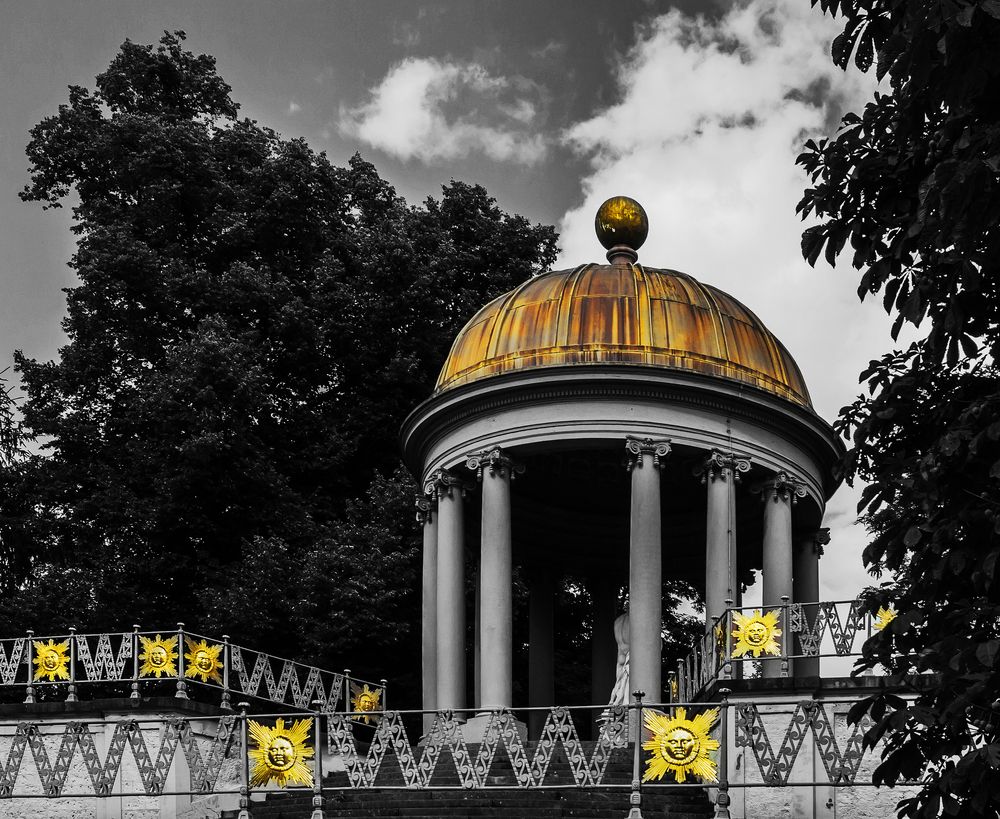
(425, 507)
(717, 463)
(496, 461)
(781, 487)
(635, 448)
(441, 482)
(820, 539)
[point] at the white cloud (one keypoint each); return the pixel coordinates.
(431, 110)
(294, 107)
(709, 119)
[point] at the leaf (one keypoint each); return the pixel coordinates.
(812, 243)
(986, 652)
(865, 53)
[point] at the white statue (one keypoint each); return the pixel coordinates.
(620, 694)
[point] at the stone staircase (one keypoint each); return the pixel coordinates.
(494, 803)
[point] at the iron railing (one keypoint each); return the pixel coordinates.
(240, 754)
(62, 666)
(803, 631)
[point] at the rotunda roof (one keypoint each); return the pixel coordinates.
(622, 313)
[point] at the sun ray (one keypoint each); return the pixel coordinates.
(159, 656)
(281, 753)
(365, 699)
(680, 746)
(756, 633)
(52, 660)
(203, 660)
(886, 614)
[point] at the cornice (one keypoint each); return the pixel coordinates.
(454, 408)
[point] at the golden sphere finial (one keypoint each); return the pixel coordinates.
(621, 221)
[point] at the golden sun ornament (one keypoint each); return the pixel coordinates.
(756, 633)
(203, 660)
(885, 616)
(367, 700)
(281, 753)
(52, 660)
(159, 656)
(680, 745)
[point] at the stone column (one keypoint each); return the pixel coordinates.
(645, 560)
(779, 494)
(451, 688)
(494, 469)
(427, 517)
(603, 649)
(541, 650)
(720, 473)
(805, 585)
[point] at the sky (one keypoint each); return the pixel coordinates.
(695, 108)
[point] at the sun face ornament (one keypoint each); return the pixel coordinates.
(756, 633)
(203, 660)
(281, 753)
(885, 615)
(51, 660)
(159, 656)
(366, 700)
(680, 745)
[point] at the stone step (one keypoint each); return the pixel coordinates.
(534, 804)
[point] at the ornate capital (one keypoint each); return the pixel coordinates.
(718, 463)
(441, 482)
(782, 487)
(425, 508)
(821, 539)
(495, 461)
(635, 448)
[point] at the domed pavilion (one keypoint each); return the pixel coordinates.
(622, 424)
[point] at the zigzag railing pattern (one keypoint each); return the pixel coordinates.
(297, 685)
(775, 766)
(77, 736)
(65, 663)
(473, 771)
(802, 629)
(500, 758)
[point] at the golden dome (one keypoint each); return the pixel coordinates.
(622, 314)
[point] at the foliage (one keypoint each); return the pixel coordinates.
(910, 191)
(251, 326)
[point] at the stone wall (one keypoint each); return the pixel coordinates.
(807, 801)
(79, 800)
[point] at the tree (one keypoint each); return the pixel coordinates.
(251, 326)
(910, 189)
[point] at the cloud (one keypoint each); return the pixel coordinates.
(294, 107)
(432, 111)
(707, 122)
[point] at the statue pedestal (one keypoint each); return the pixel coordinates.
(474, 728)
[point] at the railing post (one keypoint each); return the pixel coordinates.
(681, 683)
(134, 696)
(71, 690)
(227, 704)
(29, 694)
(244, 765)
(317, 800)
(385, 693)
(786, 636)
(635, 798)
(722, 798)
(181, 684)
(347, 690)
(726, 621)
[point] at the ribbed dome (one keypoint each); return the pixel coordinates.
(622, 314)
